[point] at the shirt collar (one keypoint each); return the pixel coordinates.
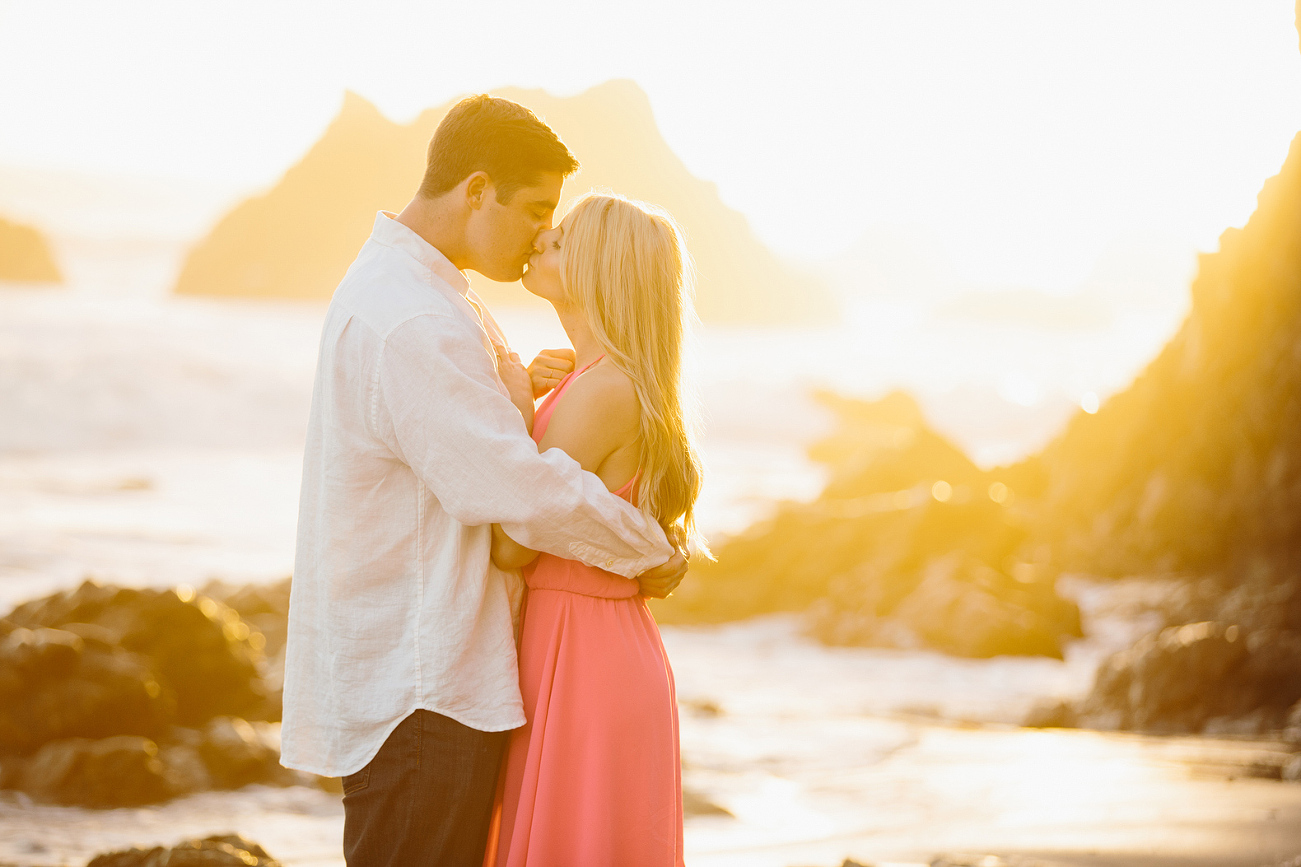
(389, 232)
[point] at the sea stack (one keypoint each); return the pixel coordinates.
(25, 255)
(297, 240)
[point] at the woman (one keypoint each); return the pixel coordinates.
(593, 779)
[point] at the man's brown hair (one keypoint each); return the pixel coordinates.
(502, 138)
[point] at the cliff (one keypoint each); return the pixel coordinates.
(297, 240)
(1195, 469)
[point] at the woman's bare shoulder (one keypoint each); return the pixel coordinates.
(598, 413)
(609, 389)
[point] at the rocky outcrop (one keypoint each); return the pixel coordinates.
(297, 240)
(197, 649)
(1200, 677)
(910, 545)
(25, 255)
(60, 683)
(1195, 469)
(1195, 472)
(219, 851)
(111, 772)
(265, 608)
(113, 696)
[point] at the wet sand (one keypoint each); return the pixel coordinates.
(874, 789)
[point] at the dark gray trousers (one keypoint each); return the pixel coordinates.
(426, 798)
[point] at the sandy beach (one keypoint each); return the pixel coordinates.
(845, 761)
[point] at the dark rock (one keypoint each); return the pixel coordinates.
(265, 608)
(967, 609)
(145, 663)
(1195, 471)
(959, 605)
(55, 684)
(218, 851)
(702, 707)
(1292, 725)
(113, 772)
(1200, 677)
(197, 647)
(910, 545)
(237, 753)
(696, 804)
(185, 769)
(333, 785)
(1051, 715)
(11, 771)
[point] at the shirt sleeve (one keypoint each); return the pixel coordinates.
(438, 407)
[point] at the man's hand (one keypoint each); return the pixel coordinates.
(663, 579)
(551, 366)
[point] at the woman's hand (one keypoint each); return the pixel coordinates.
(519, 385)
(551, 366)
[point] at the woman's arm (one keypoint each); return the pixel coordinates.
(597, 416)
(507, 553)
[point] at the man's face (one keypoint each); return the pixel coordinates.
(502, 235)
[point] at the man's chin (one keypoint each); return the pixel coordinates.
(508, 275)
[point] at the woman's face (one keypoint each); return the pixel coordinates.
(543, 275)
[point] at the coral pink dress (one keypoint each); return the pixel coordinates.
(594, 778)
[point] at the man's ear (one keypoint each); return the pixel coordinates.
(476, 188)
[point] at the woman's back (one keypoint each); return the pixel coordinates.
(618, 471)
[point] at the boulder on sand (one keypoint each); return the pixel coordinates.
(112, 772)
(265, 608)
(227, 850)
(237, 753)
(910, 545)
(197, 647)
(1200, 677)
(66, 683)
(961, 606)
(112, 696)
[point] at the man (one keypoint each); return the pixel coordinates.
(401, 671)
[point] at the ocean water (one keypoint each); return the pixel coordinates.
(154, 439)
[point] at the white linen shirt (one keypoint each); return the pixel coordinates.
(413, 451)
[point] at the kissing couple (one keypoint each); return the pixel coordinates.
(477, 715)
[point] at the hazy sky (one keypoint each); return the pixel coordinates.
(1024, 137)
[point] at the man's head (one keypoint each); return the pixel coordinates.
(506, 167)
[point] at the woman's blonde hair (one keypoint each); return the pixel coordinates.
(625, 266)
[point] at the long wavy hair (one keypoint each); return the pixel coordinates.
(625, 266)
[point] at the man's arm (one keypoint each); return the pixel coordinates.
(598, 416)
(437, 406)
